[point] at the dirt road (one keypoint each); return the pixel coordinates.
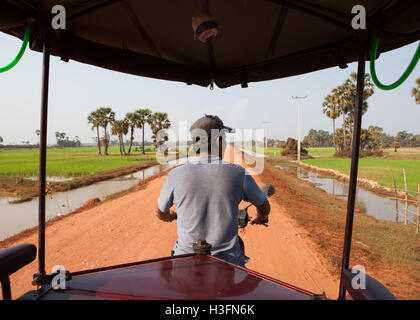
(126, 230)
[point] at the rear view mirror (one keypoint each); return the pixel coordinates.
(268, 190)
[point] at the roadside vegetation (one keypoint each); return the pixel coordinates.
(388, 251)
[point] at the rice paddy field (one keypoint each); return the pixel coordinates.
(320, 152)
(313, 152)
(376, 169)
(67, 162)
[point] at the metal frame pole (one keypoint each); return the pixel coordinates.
(43, 155)
(298, 128)
(5, 287)
(354, 164)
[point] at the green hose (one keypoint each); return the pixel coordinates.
(21, 52)
(404, 76)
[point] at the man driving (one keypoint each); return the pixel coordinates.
(207, 192)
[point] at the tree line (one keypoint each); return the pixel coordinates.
(372, 138)
(64, 141)
(104, 118)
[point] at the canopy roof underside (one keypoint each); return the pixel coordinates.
(257, 39)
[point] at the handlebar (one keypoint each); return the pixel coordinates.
(243, 215)
(244, 218)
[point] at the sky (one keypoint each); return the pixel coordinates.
(77, 89)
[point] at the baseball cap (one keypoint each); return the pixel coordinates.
(208, 122)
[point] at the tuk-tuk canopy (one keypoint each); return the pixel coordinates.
(256, 40)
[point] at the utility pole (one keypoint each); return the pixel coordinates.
(265, 134)
(298, 124)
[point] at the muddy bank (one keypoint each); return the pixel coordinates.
(27, 189)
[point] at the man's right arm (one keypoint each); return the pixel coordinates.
(262, 213)
(253, 194)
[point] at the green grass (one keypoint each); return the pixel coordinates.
(321, 152)
(269, 151)
(329, 153)
(314, 152)
(272, 151)
(65, 162)
(377, 170)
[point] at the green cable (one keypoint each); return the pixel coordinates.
(21, 52)
(404, 76)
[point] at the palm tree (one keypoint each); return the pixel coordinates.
(376, 137)
(332, 111)
(158, 121)
(351, 87)
(94, 119)
(395, 145)
(106, 116)
(416, 92)
(120, 128)
(339, 98)
(345, 97)
(133, 121)
(143, 116)
(38, 133)
(60, 136)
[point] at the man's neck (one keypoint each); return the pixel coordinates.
(206, 157)
(207, 154)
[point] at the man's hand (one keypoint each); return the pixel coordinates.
(173, 215)
(262, 213)
(166, 217)
(259, 220)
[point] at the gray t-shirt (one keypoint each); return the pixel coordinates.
(207, 195)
